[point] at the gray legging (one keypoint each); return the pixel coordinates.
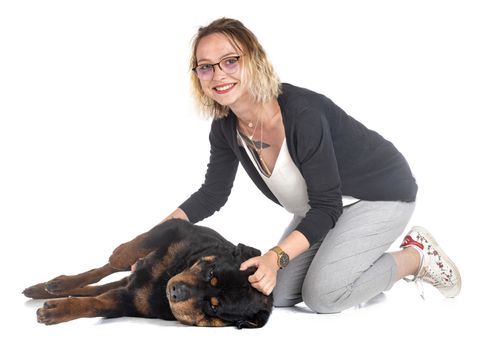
(350, 265)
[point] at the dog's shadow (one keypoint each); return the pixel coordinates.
(140, 320)
(34, 303)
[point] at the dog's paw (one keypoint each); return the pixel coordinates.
(62, 284)
(52, 312)
(37, 291)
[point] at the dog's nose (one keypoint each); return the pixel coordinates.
(179, 292)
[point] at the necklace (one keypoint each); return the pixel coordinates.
(266, 169)
(256, 147)
(261, 146)
(250, 125)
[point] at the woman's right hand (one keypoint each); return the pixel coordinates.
(176, 214)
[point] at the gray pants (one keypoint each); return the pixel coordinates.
(350, 265)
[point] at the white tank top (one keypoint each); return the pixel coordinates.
(286, 182)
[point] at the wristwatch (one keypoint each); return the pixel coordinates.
(282, 257)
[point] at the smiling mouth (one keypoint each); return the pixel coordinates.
(223, 89)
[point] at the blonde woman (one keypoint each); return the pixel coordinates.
(351, 192)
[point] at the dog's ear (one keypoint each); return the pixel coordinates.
(245, 252)
(259, 320)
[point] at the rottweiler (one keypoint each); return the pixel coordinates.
(182, 272)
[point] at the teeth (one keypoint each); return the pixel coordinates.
(223, 88)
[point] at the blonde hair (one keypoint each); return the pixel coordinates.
(262, 81)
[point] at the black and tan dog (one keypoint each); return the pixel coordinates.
(183, 271)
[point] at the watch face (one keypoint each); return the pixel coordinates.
(284, 260)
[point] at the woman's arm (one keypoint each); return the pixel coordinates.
(218, 182)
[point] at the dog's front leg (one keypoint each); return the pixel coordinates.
(62, 285)
(109, 304)
(161, 236)
(129, 253)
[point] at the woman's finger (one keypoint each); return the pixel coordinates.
(249, 263)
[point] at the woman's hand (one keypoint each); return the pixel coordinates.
(264, 279)
(176, 214)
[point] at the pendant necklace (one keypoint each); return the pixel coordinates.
(250, 125)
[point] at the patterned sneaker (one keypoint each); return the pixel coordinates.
(435, 266)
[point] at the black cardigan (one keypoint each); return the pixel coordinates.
(336, 155)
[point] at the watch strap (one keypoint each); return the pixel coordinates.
(278, 250)
(282, 256)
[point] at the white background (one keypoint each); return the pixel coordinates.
(99, 141)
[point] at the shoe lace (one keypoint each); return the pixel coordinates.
(420, 277)
(420, 288)
(418, 284)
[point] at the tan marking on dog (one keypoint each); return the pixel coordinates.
(214, 301)
(167, 260)
(188, 277)
(216, 322)
(214, 281)
(211, 322)
(141, 300)
(209, 258)
(187, 312)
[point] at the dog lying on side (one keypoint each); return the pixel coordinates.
(183, 271)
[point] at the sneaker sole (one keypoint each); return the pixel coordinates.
(448, 292)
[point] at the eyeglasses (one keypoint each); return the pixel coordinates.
(228, 65)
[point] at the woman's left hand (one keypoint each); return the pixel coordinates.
(264, 279)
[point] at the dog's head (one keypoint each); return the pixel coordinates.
(213, 292)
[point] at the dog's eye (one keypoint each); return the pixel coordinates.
(214, 303)
(211, 272)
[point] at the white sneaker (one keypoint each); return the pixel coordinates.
(435, 266)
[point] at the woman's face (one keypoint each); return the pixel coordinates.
(227, 89)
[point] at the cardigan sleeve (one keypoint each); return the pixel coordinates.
(218, 182)
(318, 165)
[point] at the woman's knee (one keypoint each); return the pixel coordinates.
(323, 300)
(284, 302)
(285, 297)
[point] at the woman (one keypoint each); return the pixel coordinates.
(351, 192)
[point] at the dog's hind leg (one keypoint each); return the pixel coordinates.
(61, 285)
(110, 304)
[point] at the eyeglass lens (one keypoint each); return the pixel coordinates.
(228, 65)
